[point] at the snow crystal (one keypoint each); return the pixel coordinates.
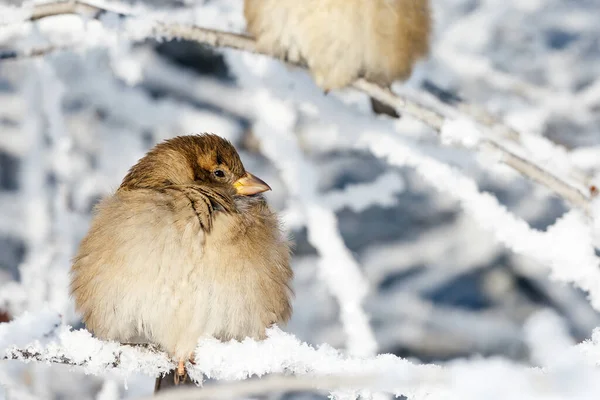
(28, 327)
(460, 131)
(596, 220)
(566, 248)
(12, 14)
(40, 337)
(358, 197)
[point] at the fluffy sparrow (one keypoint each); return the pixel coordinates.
(342, 40)
(186, 248)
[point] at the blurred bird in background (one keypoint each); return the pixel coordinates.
(187, 247)
(342, 40)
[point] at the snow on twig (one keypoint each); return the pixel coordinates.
(566, 248)
(573, 192)
(358, 197)
(569, 370)
(41, 337)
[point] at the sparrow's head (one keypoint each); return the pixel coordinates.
(204, 159)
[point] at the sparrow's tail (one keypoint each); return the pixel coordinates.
(166, 382)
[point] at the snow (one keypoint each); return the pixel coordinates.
(28, 327)
(460, 131)
(12, 14)
(596, 221)
(381, 192)
(565, 369)
(566, 248)
(42, 337)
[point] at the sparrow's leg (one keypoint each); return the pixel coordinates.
(180, 373)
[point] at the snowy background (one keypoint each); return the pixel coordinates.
(387, 260)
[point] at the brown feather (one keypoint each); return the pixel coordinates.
(342, 40)
(175, 254)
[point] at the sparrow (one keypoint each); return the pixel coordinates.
(343, 40)
(186, 248)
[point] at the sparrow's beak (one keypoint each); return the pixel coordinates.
(249, 184)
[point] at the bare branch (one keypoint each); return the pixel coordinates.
(576, 193)
(280, 354)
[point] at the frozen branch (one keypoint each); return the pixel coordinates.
(572, 190)
(569, 372)
(358, 197)
(40, 338)
(566, 248)
(573, 193)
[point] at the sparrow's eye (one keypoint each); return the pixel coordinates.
(219, 174)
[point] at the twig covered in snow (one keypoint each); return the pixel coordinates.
(539, 149)
(358, 197)
(575, 192)
(41, 337)
(566, 248)
(569, 371)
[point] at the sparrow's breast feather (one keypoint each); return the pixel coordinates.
(147, 268)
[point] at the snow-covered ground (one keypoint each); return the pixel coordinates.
(404, 245)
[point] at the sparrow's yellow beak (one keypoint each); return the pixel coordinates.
(249, 184)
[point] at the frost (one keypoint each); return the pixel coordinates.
(596, 221)
(41, 337)
(461, 131)
(13, 15)
(566, 369)
(381, 192)
(566, 248)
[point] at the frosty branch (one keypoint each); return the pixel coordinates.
(321, 368)
(40, 338)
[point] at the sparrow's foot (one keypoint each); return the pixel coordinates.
(180, 373)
